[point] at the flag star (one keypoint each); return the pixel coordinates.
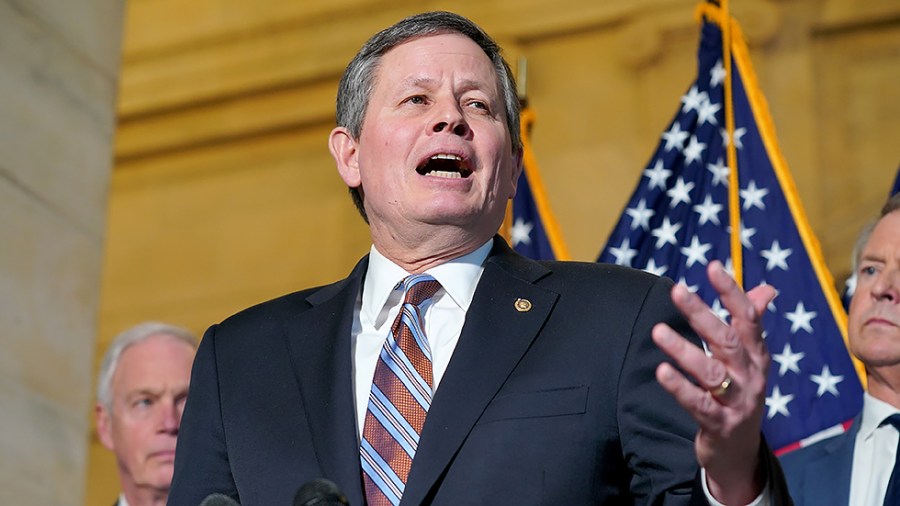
(777, 403)
(624, 253)
(753, 196)
(681, 192)
(827, 382)
(707, 113)
(746, 235)
(776, 257)
(658, 175)
(719, 171)
(520, 232)
(717, 74)
(665, 233)
(692, 99)
(850, 285)
(640, 215)
(739, 134)
(693, 151)
(788, 360)
(708, 211)
(675, 137)
(696, 252)
(801, 318)
(720, 311)
(690, 288)
(652, 268)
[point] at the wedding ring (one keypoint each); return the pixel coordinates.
(723, 387)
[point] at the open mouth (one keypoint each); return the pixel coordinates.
(446, 166)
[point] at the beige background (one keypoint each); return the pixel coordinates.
(224, 193)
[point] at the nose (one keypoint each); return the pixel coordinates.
(170, 417)
(887, 286)
(450, 119)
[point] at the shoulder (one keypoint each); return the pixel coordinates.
(608, 284)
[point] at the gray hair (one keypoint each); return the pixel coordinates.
(358, 80)
(134, 335)
(892, 204)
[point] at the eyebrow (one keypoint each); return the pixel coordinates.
(427, 82)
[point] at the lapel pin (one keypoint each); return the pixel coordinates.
(523, 305)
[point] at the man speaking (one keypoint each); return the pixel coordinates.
(446, 369)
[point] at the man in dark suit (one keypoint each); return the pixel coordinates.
(141, 389)
(540, 381)
(859, 467)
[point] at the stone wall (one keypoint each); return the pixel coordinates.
(58, 74)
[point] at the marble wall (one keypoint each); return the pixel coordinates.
(58, 77)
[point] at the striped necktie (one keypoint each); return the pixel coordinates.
(400, 398)
(892, 496)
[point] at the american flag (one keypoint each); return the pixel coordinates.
(677, 221)
(531, 226)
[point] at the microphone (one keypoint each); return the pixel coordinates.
(320, 492)
(218, 500)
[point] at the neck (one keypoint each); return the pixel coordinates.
(416, 253)
(143, 496)
(884, 384)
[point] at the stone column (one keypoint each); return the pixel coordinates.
(59, 62)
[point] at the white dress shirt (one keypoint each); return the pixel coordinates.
(873, 454)
(380, 302)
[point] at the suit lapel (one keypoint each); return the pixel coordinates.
(319, 340)
(494, 338)
(827, 479)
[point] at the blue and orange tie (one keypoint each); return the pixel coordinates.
(400, 398)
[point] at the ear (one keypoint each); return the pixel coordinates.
(104, 425)
(343, 148)
(517, 171)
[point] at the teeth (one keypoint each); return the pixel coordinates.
(446, 174)
(444, 156)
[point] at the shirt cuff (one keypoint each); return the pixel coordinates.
(761, 500)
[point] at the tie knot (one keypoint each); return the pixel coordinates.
(419, 288)
(893, 420)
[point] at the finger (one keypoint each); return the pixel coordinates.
(708, 413)
(746, 309)
(760, 297)
(708, 371)
(722, 339)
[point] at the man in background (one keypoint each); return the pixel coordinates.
(141, 390)
(860, 466)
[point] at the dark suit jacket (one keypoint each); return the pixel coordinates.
(819, 475)
(556, 405)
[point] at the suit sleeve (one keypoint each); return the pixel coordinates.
(201, 459)
(657, 434)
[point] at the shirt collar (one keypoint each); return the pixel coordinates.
(458, 278)
(874, 412)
